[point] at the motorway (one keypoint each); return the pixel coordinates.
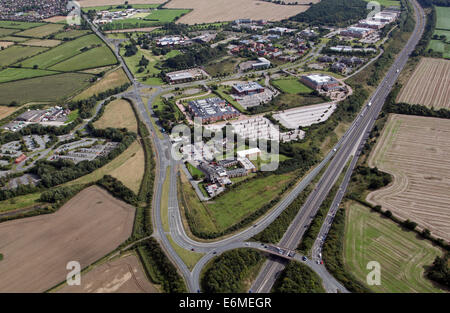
(354, 140)
(349, 145)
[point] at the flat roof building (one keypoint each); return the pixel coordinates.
(261, 64)
(320, 81)
(212, 110)
(247, 88)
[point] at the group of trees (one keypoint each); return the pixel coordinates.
(333, 12)
(298, 278)
(227, 272)
(440, 270)
(162, 271)
(195, 55)
(118, 189)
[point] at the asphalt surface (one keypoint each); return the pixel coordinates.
(336, 160)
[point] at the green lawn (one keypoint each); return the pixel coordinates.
(291, 86)
(194, 171)
(72, 116)
(12, 74)
(43, 89)
(233, 206)
(62, 52)
(14, 54)
(20, 202)
(190, 258)
(97, 57)
(401, 254)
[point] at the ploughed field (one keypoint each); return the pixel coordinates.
(36, 250)
(415, 150)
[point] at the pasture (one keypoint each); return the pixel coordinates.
(19, 25)
(415, 151)
(12, 74)
(70, 34)
(41, 31)
(291, 86)
(43, 89)
(206, 11)
(86, 228)
(402, 256)
(62, 52)
(443, 18)
(49, 43)
(7, 31)
(96, 57)
(17, 53)
(111, 80)
(120, 275)
(429, 84)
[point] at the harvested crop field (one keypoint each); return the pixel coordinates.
(402, 256)
(94, 3)
(42, 31)
(415, 151)
(6, 44)
(36, 250)
(429, 84)
(116, 276)
(207, 11)
(111, 80)
(118, 114)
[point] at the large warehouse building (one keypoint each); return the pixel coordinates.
(320, 81)
(212, 110)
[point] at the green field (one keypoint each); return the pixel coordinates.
(62, 52)
(194, 171)
(442, 28)
(14, 39)
(96, 57)
(43, 89)
(6, 32)
(19, 25)
(12, 74)
(166, 15)
(155, 18)
(71, 34)
(41, 31)
(113, 8)
(291, 86)
(440, 46)
(14, 54)
(20, 202)
(443, 18)
(401, 254)
(228, 209)
(387, 3)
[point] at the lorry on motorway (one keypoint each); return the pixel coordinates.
(370, 103)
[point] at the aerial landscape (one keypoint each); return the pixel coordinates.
(223, 147)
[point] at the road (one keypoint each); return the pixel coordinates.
(354, 141)
(336, 159)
